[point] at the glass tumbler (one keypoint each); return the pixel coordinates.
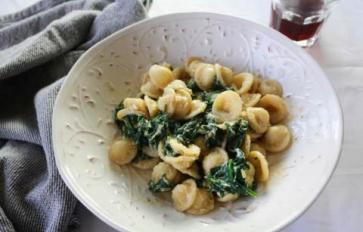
(300, 20)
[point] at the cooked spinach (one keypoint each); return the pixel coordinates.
(144, 131)
(213, 135)
(235, 134)
(228, 177)
(156, 129)
(132, 126)
(187, 132)
(163, 185)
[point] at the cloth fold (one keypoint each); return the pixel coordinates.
(38, 46)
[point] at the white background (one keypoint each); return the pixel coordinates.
(340, 52)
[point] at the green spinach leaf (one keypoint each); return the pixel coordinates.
(163, 185)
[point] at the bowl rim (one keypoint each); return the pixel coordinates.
(295, 48)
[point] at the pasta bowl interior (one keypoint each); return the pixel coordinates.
(84, 127)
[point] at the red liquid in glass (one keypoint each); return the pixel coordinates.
(293, 30)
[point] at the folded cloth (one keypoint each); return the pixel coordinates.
(38, 46)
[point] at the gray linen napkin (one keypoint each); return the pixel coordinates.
(38, 46)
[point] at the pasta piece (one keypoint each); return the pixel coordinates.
(192, 171)
(163, 169)
(200, 142)
(177, 100)
(250, 99)
(277, 138)
(136, 104)
(270, 87)
(178, 87)
(258, 147)
(261, 166)
(122, 151)
(228, 197)
(122, 113)
(217, 157)
(258, 119)
(187, 156)
(183, 105)
(150, 151)
(179, 148)
(276, 107)
(203, 203)
(254, 135)
(255, 85)
(242, 82)
(149, 89)
(224, 74)
(146, 164)
(191, 64)
(197, 107)
(246, 146)
(205, 76)
(227, 106)
(160, 76)
(167, 104)
(249, 174)
(181, 74)
(184, 195)
(166, 65)
(152, 106)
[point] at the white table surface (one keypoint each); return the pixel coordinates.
(340, 52)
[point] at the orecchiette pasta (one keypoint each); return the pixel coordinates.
(183, 105)
(191, 64)
(250, 99)
(136, 104)
(205, 76)
(255, 85)
(149, 89)
(258, 147)
(224, 74)
(181, 74)
(258, 118)
(178, 87)
(276, 107)
(227, 106)
(277, 138)
(200, 142)
(146, 164)
(163, 169)
(187, 156)
(215, 158)
(260, 164)
(150, 151)
(203, 203)
(249, 174)
(184, 195)
(254, 135)
(242, 82)
(197, 107)
(192, 171)
(246, 146)
(270, 87)
(160, 76)
(122, 151)
(152, 106)
(203, 130)
(228, 197)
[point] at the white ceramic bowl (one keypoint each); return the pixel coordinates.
(83, 126)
